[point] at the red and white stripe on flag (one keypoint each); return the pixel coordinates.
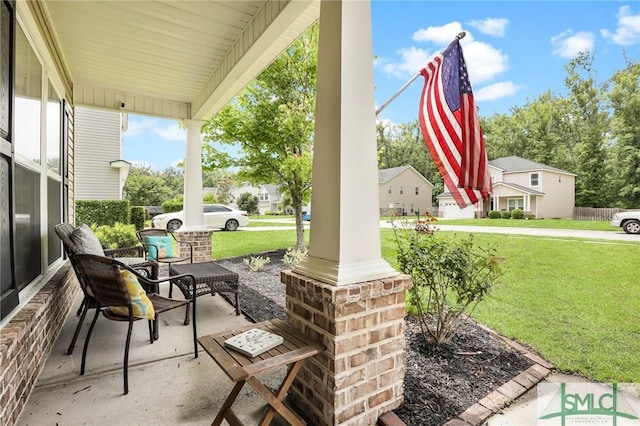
(451, 129)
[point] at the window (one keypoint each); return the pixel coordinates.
(8, 288)
(515, 203)
(534, 179)
(389, 189)
(411, 208)
(417, 190)
(401, 189)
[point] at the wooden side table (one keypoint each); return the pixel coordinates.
(242, 369)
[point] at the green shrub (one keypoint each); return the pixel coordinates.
(255, 263)
(493, 214)
(117, 236)
(102, 212)
(530, 216)
(505, 214)
(450, 277)
(138, 214)
(174, 205)
(517, 214)
(293, 256)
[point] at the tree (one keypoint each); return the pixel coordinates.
(144, 188)
(624, 101)
(248, 202)
(222, 180)
(590, 123)
(272, 123)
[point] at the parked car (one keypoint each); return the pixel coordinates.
(629, 221)
(215, 216)
(307, 217)
(153, 211)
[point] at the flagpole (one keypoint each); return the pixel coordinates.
(408, 83)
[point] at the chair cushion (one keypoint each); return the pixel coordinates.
(140, 302)
(86, 241)
(159, 247)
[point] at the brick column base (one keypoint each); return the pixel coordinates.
(201, 241)
(360, 374)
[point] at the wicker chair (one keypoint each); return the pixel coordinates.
(132, 256)
(103, 279)
(156, 232)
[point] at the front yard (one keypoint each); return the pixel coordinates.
(575, 301)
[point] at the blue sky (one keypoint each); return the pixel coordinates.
(514, 50)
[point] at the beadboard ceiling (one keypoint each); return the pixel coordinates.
(196, 54)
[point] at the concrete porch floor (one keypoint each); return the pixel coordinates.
(167, 385)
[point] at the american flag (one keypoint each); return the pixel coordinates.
(451, 129)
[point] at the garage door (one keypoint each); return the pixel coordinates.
(451, 210)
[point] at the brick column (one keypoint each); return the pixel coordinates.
(360, 374)
(201, 241)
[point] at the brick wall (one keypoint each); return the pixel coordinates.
(26, 341)
(201, 241)
(360, 374)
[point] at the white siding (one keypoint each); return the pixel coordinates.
(97, 143)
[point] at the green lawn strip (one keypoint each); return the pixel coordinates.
(266, 222)
(241, 243)
(586, 225)
(577, 302)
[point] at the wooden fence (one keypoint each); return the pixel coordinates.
(590, 213)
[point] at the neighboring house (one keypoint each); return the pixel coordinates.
(404, 190)
(99, 177)
(269, 198)
(545, 191)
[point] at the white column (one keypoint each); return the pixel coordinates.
(344, 245)
(193, 217)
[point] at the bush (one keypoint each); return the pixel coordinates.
(174, 205)
(255, 263)
(102, 212)
(530, 216)
(505, 214)
(450, 277)
(248, 202)
(517, 214)
(493, 214)
(138, 214)
(293, 256)
(117, 236)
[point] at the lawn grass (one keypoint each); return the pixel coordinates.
(577, 302)
(587, 225)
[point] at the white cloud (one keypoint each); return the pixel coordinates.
(165, 129)
(628, 31)
(495, 91)
(568, 45)
(412, 59)
(439, 35)
(484, 61)
(492, 26)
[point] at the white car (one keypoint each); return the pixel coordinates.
(629, 221)
(215, 216)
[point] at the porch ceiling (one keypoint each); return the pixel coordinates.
(175, 58)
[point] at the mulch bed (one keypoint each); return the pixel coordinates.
(440, 382)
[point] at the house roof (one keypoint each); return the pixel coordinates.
(515, 164)
(384, 175)
(518, 188)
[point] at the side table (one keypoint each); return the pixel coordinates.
(242, 369)
(210, 278)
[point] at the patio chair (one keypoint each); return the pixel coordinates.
(158, 246)
(121, 293)
(132, 256)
